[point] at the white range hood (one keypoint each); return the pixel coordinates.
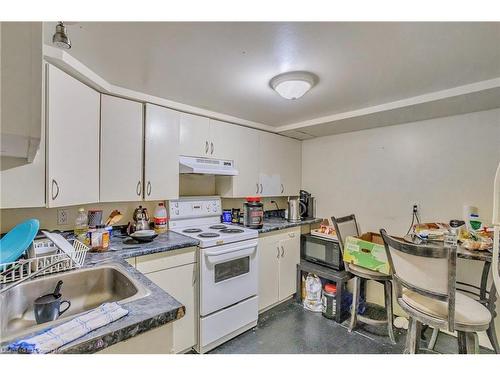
(193, 165)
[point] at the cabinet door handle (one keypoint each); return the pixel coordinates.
(257, 191)
(261, 188)
(278, 255)
(282, 251)
(138, 189)
(211, 148)
(206, 147)
(282, 188)
(54, 183)
(148, 188)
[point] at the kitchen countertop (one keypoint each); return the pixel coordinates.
(273, 224)
(154, 310)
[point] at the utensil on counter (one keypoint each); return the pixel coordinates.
(95, 217)
(48, 306)
(17, 240)
(114, 217)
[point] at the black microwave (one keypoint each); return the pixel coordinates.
(322, 251)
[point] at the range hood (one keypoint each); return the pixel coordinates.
(193, 165)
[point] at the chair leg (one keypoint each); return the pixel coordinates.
(493, 336)
(388, 309)
(355, 303)
(468, 343)
(433, 339)
(413, 336)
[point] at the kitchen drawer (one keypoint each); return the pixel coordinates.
(282, 234)
(169, 259)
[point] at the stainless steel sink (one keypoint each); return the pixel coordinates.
(85, 288)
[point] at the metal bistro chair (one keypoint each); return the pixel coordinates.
(425, 280)
(347, 226)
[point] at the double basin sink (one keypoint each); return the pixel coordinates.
(85, 288)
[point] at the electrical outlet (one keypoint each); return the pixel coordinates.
(62, 216)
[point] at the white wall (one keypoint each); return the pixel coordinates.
(378, 174)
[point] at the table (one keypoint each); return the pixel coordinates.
(486, 297)
(338, 277)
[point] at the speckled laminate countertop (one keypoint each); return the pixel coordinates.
(271, 225)
(154, 310)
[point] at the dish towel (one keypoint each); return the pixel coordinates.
(56, 337)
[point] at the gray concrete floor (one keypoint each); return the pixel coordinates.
(289, 329)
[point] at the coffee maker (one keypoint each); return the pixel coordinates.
(306, 205)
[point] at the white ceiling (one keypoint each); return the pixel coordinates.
(226, 67)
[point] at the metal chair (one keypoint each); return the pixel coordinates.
(425, 280)
(347, 226)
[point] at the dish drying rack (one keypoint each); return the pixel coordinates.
(23, 268)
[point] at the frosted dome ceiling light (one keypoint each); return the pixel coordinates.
(293, 85)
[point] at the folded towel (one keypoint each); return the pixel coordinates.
(56, 337)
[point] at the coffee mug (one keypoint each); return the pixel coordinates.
(48, 308)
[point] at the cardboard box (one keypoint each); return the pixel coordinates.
(367, 251)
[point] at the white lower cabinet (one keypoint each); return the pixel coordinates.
(176, 273)
(279, 254)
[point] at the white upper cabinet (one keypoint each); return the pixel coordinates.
(271, 163)
(240, 144)
(72, 141)
(121, 150)
(195, 136)
(161, 153)
(291, 168)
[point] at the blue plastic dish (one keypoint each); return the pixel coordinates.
(19, 238)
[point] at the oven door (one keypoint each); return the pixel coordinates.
(228, 275)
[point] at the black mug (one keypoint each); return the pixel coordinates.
(48, 308)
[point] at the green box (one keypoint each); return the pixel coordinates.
(367, 251)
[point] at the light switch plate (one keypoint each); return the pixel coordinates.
(62, 216)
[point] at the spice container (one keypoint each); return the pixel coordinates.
(253, 213)
(99, 238)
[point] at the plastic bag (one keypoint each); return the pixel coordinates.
(312, 301)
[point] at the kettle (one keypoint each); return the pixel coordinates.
(294, 210)
(141, 218)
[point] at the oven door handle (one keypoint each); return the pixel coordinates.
(251, 249)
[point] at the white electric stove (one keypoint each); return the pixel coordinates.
(228, 269)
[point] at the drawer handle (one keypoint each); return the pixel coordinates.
(148, 188)
(54, 182)
(206, 147)
(138, 188)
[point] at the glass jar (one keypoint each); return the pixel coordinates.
(99, 238)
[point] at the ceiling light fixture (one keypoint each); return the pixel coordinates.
(293, 85)
(60, 38)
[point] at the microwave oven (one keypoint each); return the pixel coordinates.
(321, 251)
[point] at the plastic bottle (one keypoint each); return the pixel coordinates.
(81, 226)
(160, 218)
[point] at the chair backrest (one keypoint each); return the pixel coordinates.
(427, 270)
(345, 226)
